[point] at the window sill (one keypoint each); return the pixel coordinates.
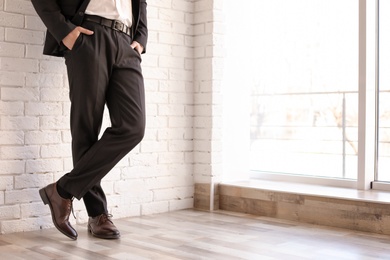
(377, 196)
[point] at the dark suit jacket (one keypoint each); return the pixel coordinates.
(62, 16)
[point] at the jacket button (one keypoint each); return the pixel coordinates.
(81, 13)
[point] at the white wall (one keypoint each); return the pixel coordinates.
(157, 176)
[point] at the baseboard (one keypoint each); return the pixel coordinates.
(202, 194)
(335, 211)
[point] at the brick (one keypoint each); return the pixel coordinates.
(203, 16)
(20, 94)
(114, 175)
(160, 25)
(159, 49)
(19, 122)
(154, 207)
(154, 146)
(199, 29)
(25, 181)
(179, 121)
(185, 6)
(66, 136)
(66, 108)
(160, 182)
(181, 204)
(21, 196)
(151, 110)
(152, 12)
(11, 49)
(199, 52)
(172, 86)
(2, 198)
(150, 61)
(161, 3)
(34, 209)
(135, 186)
(182, 51)
(2, 34)
(157, 98)
(56, 151)
(182, 28)
(11, 20)
(12, 78)
(180, 146)
(127, 211)
(175, 193)
(40, 109)
(34, 52)
(19, 6)
(24, 225)
(144, 159)
(19, 152)
(171, 110)
(181, 75)
(44, 165)
(203, 5)
(171, 62)
(171, 157)
(54, 122)
(172, 134)
(170, 38)
(52, 66)
(34, 23)
(12, 138)
(144, 196)
(6, 183)
(189, 18)
(43, 137)
(24, 36)
(55, 94)
(12, 166)
(15, 108)
(19, 64)
(45, 80)
(68, 164)
(170, 15)
(9, 212)
(156, 73)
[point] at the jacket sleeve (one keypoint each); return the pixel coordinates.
(141, 34)
(50, 13)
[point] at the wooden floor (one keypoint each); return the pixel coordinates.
(191, 234)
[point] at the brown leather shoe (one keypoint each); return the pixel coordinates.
(60, 210)
(102, 227)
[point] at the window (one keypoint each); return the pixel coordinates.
(297, 78)
(384, 92)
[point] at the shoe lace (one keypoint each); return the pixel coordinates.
(71, 207)
(105, 217)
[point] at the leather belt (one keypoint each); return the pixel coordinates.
(113, 24)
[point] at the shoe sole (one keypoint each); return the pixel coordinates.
(46, 201)
(100, 236)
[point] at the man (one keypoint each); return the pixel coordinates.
(102, 42)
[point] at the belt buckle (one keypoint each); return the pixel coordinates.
(117, 25)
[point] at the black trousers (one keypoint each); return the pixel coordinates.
(103, 70)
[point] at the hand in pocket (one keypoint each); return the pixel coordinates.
(71, 38)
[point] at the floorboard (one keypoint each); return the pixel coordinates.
(191, 234)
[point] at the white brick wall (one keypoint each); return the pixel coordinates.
(182, 141)
(208, 40)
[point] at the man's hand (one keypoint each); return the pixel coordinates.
(137, 46)
(71, 38)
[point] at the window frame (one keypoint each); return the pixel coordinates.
(368, 96)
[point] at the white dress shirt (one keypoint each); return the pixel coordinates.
(111, 9)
